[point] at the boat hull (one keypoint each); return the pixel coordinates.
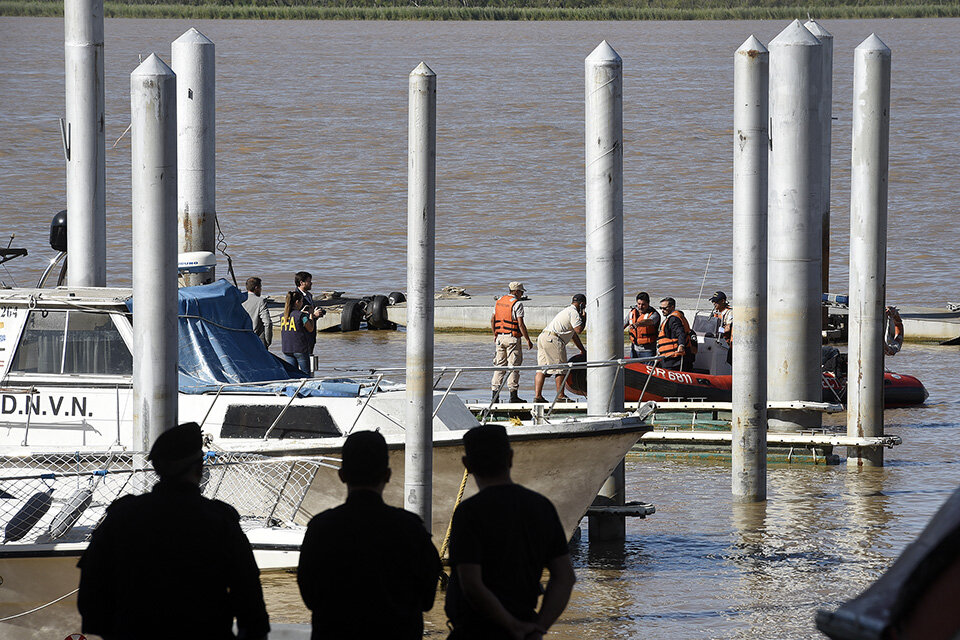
(899, 390)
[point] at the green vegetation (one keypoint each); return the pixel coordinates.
(500, 9)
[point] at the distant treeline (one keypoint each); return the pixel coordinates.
(500, 9)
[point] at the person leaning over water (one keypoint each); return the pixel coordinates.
(367, 570)
(501, 539)
(297, 331)
(552, 345)
(171, 563)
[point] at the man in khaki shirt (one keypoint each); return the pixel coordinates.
(552, 345)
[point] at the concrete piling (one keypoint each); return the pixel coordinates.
(868, 246)
(153, 113)
(826, 132)
(794, 227)
(421, 239)
(603, 130)
(193, 60)
(750, 137)
(84, 143)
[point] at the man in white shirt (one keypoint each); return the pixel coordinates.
(552, 345)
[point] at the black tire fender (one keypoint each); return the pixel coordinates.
(396, 297)
(351, 316)
(377, 312)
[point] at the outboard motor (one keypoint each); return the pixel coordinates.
(58, 232)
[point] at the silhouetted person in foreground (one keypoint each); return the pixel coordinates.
(171, 563)
(367, 570)
(502, 539)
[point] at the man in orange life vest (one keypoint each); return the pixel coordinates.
(508, 328)
(673, 343)
(643, 323)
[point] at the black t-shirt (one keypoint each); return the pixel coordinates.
(512, 533)
(367, 571)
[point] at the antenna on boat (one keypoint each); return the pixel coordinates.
(702, 282)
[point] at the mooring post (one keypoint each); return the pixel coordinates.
(794, 228)
(421, 239)
(84, 144)
(868, 246)
(153, 142)
(826, 133)
(750, 138)
(193, 60)
(603, 129)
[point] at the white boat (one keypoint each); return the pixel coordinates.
(50, 504)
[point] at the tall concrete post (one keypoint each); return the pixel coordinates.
(153, 139)
(193, 60)
(421, 239)
(84, 143)
(603, 129)
(794, 231)
(826, 134)
(868, 246)
(750, 137)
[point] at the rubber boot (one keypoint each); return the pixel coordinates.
(516, 398)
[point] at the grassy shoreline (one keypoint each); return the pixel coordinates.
(46, 8)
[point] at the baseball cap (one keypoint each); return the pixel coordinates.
(516, 286)
(717, 296)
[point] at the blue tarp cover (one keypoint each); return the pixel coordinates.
(218, 346)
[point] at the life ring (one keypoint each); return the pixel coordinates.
(892, 331)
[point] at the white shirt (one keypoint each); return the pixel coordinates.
(564, 323)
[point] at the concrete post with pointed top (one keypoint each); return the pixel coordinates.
(421, 239)
(193, 60)
(826, 135)
(794, 228)
(868, 246)
(750, 137)
(603, 128)
(85, 143)
(153, 141)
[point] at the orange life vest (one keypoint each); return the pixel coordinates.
(642, 336)
(667, 346)
(503, 319)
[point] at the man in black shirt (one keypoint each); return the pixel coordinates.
(171, 563)
(501, 540)
(367, 570)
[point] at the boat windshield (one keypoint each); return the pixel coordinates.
(71, 342)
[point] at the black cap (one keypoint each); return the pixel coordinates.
(718, 296)
(181, 442)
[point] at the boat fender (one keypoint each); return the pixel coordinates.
(28, 516)
(892, 331)
(396, 297)
(70, 513)
(351, 316)
(377, 312)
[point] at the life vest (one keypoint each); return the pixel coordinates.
(721, 332)
(642, 336)
(668, 347)
(503, 319)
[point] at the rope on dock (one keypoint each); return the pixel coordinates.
(43, 606)
(444, 578)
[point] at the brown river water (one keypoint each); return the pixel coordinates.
(311, 133)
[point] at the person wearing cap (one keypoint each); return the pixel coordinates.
(501, 539)
(642, 323)
(724, 313)
(367, 570)
(171, 563)
(552, 345)
(508, 327)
